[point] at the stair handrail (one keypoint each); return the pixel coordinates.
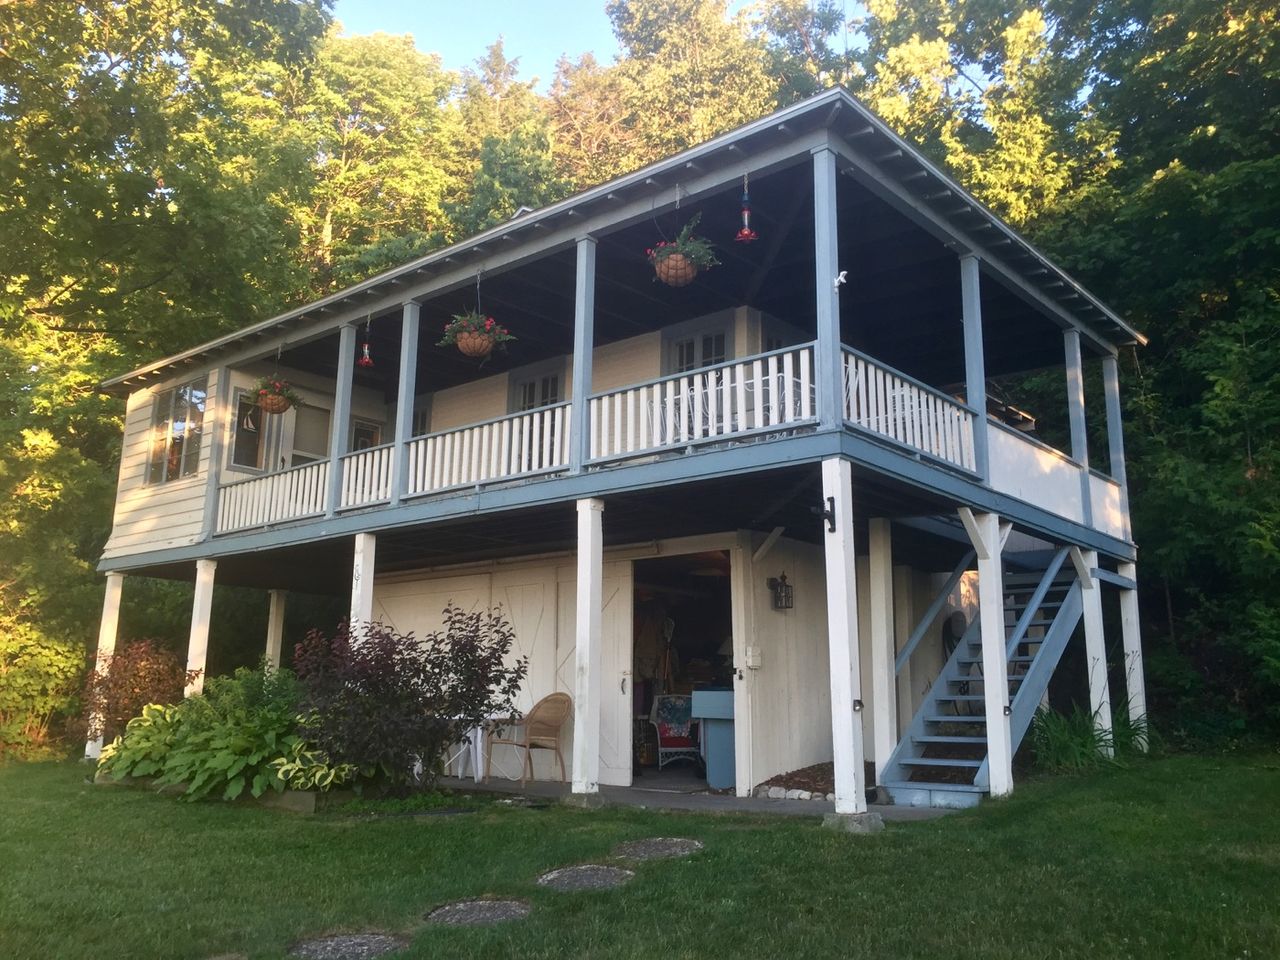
(1037, 598)
(931, 614)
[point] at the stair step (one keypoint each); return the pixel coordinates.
(1021, 658)
(941, 738)
(938, 762)
(974, 697)
(952, 718)
(977, 678)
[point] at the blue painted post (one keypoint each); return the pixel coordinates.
(826, 260)
(407, 389)
(1115, 424)
(584, 337)
(341, 417)
(1075, 415)
(975, 363)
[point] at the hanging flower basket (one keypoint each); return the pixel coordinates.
(474, 334)
(677, 262)
(275, 395)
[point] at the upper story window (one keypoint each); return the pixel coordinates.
(177, 426)
(700, 350)
(538, 392)
(248, 446)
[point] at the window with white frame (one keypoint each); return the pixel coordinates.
(697, 350)
(248, 444)
(538, 385)
(177, 428)
(310, 435)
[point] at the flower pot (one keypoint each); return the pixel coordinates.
(273, 403)
(475, 344)
(676, 270)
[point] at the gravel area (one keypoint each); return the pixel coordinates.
(348, 946)
(478, 913)
(588, 876)
(657, 848)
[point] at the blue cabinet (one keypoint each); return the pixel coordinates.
(713, 709)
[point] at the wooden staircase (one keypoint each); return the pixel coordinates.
(941, 760)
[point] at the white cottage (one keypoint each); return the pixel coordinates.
(633, 479)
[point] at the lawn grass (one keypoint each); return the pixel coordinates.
(1175, 857)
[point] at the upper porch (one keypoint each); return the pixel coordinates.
(870, 318)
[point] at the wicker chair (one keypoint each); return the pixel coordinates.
(540, 730)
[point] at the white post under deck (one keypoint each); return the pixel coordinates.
(275, 627)
(1131, 634)
(826, 261)
(201, 611)
(884, 707)
(842, 639)
(107, 630)
(1094, 642)
(587, 630)
(406, 390)
(366, 545)
(985, 532)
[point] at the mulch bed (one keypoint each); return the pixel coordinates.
(819, 778)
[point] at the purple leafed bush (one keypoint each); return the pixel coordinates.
(383, 701)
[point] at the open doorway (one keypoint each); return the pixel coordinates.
(683, 645)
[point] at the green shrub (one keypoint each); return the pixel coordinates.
(224, 742)
(304, 768)
(122, 683)
(39, 679)
(1073, 742)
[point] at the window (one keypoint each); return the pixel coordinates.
(310, 435)
(365, 434)
(248, 446)
(177, 424)
(701, 350)
(538, 392)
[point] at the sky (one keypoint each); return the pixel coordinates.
(536, 31)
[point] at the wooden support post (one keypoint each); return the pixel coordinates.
(1115, 432)
(1130, 631)
(406, 391)
(903, 615)
(1095, 647)
(842, 640)
(107, 629)
(829, 359)
(362, 566)
(340, 422)
(884, 707)
(975, 362)
(1075, 415)
(201, 611)
(275, 627)
(988, 541)
(587, 629)
(584, 338)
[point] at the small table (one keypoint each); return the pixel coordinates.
(713, 709)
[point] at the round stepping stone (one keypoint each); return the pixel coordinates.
(657, 848)
(587, 876)
(477, 913)
(348, 946)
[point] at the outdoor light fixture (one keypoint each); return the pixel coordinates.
(784, 595)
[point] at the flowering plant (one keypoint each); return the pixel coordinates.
(473, 323)
(697, 250)
(273, 386)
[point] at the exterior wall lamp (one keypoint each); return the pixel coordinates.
(784, 595)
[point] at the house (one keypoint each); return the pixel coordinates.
(786, 478)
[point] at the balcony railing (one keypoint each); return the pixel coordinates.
(883, 401)
(768, 392)
(366, 476)
(275, 497)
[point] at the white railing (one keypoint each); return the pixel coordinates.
(287, 495)
(888, 403)
(771, 391)
(514, 446)
(366, 476)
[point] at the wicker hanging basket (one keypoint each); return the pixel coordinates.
(676, 270)
(273, 403)
(475, 344)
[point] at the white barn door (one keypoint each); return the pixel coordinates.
(615, 664)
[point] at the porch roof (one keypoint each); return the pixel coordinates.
(894, 167)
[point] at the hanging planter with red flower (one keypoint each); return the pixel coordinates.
(275, 395)
(676, 262)
(474, 334)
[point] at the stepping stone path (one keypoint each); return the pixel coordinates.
(477, 913)
(657, 848)
(587, 876)
(349, 946)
